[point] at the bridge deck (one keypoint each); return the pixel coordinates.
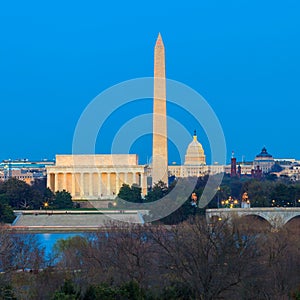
(276, 216)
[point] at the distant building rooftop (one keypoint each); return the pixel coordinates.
(263, 153)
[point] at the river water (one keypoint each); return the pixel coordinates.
(48, 240)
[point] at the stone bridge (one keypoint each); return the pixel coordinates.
(276, 216)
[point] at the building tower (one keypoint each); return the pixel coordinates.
(160, 143)
(233, 165)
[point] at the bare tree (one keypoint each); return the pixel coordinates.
(132, 254)
(6, 249)
(209, 259)
(281, 263)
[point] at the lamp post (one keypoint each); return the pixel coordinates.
(225, 203)
(46, 205)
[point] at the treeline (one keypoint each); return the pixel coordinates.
(266, 192)
(269, 191)
(193, 260)
(16, 194)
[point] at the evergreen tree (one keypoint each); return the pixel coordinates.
(129, 194)
(62, 200)
(158, 191)
(6, 213)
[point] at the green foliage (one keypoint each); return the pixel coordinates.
(48, 195)
(132, 290)
(129, 290)
(6, 213)
(100, 292)
(296, 295)
(178, 291)
(185, 208)
(4, 199)
(6, 293)
(201, 182)
(158, 191)
(259, 192)
(68, 291)
(74, 243)
(283, 195)
(262, 193)
(130, 194)
(269, 193)
(183, 213)
(235, 187)
(20, 195)
(62, 200)
(271, 177)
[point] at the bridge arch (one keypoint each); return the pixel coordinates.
(276, 216)
(253, 223)
(293, 225)
(254, 217)
(243, 217)
(255, 214)
(291, 218)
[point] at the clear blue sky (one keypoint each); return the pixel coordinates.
(242, 56)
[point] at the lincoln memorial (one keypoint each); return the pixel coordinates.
(98, 176)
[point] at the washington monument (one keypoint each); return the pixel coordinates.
(160, 146)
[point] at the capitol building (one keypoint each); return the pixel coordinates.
(195, 162)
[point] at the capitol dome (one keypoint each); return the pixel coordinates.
(195, 153)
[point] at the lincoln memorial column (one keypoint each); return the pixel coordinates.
(81, 184)
(64, 187)
(55, 182)
(73, 185)
(108, 183)
(49, 181)
(99, 184)
(117, 182)
(141, 183)
(91, 185)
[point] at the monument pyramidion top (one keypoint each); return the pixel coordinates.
(159, 41)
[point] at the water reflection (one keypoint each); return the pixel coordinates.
(47, 240)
